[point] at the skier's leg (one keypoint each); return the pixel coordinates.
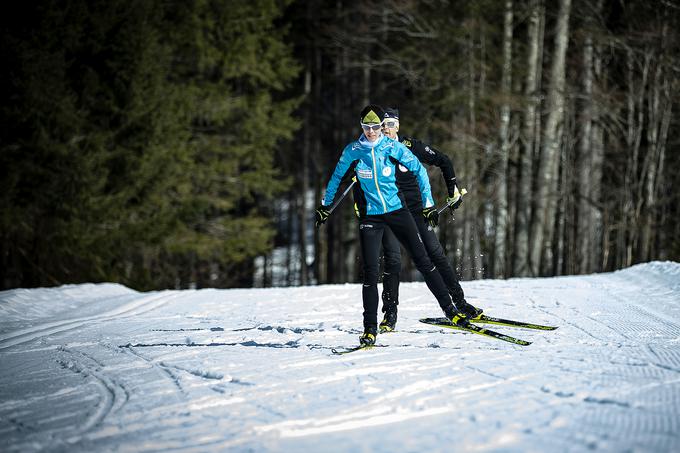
(436, 253)
(402, 224)
(390, 294)
(370, 235)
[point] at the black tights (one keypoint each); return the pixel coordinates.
(402, 224)
(435, 251)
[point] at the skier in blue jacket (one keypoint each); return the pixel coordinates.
(373, 158)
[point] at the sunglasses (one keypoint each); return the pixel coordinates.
(391, 124)
(372, 127)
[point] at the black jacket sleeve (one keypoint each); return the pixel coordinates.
(431, 156)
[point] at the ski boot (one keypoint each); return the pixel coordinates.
(368, 337)
(469, 310)
(456, 317)
(390, 320)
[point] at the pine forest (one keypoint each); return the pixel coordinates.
(187, 144)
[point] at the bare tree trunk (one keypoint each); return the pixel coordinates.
(589, 157)
(595, 260)
(659, 108)
(292, 205)
(528, 138)
(632, 204)
(584, 159)
(502, 169)
(564, 244)
(304, 183)
(316, 152)
(470, 218)
(546, 203)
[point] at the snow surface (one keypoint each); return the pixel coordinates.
(105, 368)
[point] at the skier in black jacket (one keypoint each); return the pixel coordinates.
(408, 186)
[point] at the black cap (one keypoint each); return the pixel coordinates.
(392, 113)
(372, 114)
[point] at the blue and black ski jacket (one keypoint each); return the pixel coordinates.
(375, 167)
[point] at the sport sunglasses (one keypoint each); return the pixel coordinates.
(367, 127)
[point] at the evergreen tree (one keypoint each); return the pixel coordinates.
(137, 138)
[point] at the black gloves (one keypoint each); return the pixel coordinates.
(454, 200)
(431, 216)
(322, 214)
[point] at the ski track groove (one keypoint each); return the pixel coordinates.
(135, 308)
(113, 394)
(666, 355)
(162, 370)
(565, 321)
(198, 373)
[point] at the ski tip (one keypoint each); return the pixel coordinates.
(356, 348)
(435, 320)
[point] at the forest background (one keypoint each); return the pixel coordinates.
(186, 144)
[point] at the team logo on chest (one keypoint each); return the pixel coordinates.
(365, 173)
(387, 171)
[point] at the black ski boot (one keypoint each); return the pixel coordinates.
(368, 337)
(456, 317)
(469, 310)
(390, 320)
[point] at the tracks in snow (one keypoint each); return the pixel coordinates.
(133, 308)
(113, 394)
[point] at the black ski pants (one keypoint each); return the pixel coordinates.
(392, 257)
(402, 224)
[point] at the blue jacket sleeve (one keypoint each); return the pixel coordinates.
(408, 160)
(341, 168)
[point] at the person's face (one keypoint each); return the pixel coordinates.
(371, 131)
(390, 128)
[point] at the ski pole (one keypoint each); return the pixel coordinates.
(342, 197)
(462, 192)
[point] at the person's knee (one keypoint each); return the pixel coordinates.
(392, 264)
(426, 267)
(438, 258)
(422, 260)
(371, 275)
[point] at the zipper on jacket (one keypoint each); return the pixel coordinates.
(375, 178)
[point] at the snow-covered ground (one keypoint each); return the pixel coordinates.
(104, 368)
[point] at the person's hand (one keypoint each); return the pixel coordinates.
(455, 199)
(431, 216)
(322, 214)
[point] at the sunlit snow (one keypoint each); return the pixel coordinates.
(105, 368)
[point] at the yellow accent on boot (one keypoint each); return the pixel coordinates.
(367, 339)
(385, 327)
(459, 317)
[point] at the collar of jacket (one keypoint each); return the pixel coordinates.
(363, 141)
